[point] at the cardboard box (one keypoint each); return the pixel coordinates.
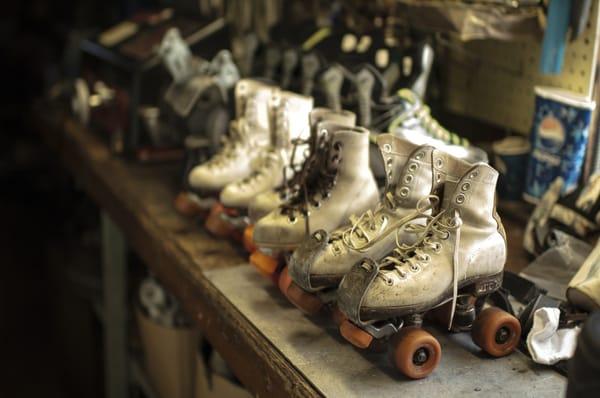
(212, 385)
(170, 357)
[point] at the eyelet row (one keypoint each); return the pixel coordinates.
(465, 187)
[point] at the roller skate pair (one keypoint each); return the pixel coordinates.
(415, 176)
(289, 135)
(248, 137)
(270, 200)
(456, 262)
(335, 183)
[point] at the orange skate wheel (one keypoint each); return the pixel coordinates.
(307, 302)
(186, 206)
(355, 335)
(496, 332)
(284, 281)
(416, 353)
(215, 224)
(248, 240)
(266, 265)
(337, 315)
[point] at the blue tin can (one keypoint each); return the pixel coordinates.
(559, 136)
(510, 159)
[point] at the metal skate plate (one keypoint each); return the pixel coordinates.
(315, 348)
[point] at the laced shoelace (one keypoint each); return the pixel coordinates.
(231, 146)
(315, 178)
(416, 255)
(238, 138)
(267, 162)
(371, 221)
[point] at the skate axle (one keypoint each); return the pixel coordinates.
(502, 335)
(420, 357)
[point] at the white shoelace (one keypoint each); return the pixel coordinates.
(415, 256)
(371, 221)
(266, 165)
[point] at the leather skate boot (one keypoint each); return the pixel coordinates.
(340, 184)
(288, 122)
(320, 263)
(415, 177)
(270, 200)
(458, 260)
(248, 136)
(415, 121)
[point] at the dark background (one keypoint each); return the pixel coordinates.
(50, 342)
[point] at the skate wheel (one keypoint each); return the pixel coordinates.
(215, 224)
(338, 316)
(248, 240)
(355, 335)
(307, 302)
(416, 353)
(496, 332)
(187, 207)
(284, 281)
(266, 265)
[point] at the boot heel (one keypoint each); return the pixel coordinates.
(486, 285)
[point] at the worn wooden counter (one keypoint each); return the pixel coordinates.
(138, 198)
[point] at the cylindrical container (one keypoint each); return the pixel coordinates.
(559, 137)
(510, 158)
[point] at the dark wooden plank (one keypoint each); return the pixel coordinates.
(139, 200)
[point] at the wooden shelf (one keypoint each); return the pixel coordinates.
(272, 348)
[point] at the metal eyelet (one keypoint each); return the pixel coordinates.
(439, 162)
(413, 166)
(389, 175)
(438, 247)
(292, 219)
(335, 159)
(404, 191)
(438, 177)
(419, 155)
(474, 174)
(389, 162)
(317, 204)
(446, 236)
(337, 145)
(466, 186)
(460, 198)
(426, 257)
(408, 178)
(414, 268)
(389, 281)
(387, 148)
